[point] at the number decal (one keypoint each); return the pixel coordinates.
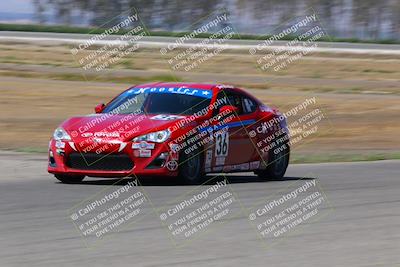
(221, 144)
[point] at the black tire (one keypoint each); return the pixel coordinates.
(277, 165)
(69, 179)
(191, 168)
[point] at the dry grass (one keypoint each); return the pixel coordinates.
(359, 123)
(313, 73)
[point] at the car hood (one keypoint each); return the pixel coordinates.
(118, 127)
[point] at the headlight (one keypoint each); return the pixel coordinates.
(61, 134)
(158, 137)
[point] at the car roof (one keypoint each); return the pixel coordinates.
(204, 86)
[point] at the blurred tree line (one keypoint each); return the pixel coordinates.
(365, 19)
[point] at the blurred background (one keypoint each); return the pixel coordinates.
(363, 19)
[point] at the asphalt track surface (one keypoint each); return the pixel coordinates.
(161, 41)
(361, 227)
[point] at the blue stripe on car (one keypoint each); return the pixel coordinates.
(229, 125)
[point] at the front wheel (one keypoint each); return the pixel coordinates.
(277, 164)
(190, 169)
(69, 179)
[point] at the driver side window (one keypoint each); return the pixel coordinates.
(249, 106)
(229, 98)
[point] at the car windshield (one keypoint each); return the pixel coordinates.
(160, 100)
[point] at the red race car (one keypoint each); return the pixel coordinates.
(172, 129)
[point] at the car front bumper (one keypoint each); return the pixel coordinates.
(66, 158)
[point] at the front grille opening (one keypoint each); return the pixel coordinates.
(52, 161)
(158, 162)
(93, 161)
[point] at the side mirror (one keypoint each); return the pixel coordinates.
(229, 109)
(99, 108)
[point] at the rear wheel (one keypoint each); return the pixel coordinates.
(69, 179)
(190, 170)
(277, 165)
